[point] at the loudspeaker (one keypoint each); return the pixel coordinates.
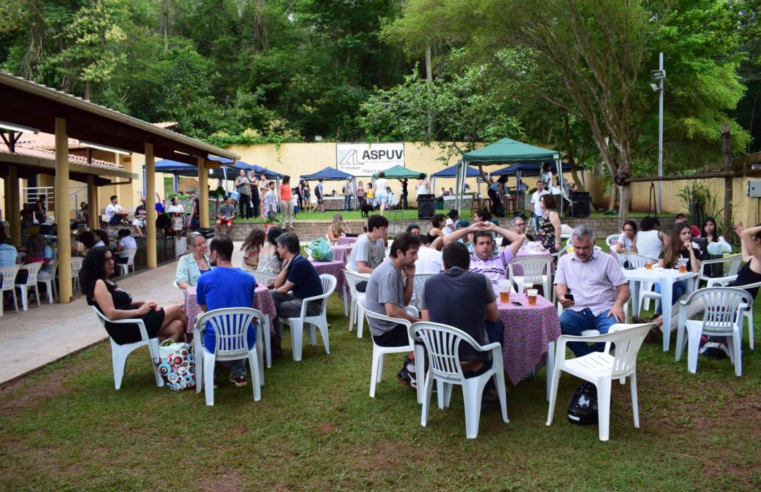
(580, 205)
(426, 206)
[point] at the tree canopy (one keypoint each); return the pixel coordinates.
(570, 74)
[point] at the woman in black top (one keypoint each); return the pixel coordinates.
(116, 304)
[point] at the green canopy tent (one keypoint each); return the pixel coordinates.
(507, 151)
(399, 172)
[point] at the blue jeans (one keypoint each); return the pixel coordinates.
(573, 323)
(347, 202)
(237, 368)
(677, 291)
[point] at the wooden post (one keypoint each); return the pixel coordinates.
(150, 197)
(14, 210)
(203, 192)
(62, 211)
(92, 203)
(725, 142)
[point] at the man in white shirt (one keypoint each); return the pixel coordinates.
(115, 214)
(429, 260)
(536, 202)
(126, 241)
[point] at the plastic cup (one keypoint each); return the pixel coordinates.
(504, 291)
(531, 296)
(648, 264)
(682, 265)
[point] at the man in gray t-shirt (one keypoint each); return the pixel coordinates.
(225, 216)
(370, 249)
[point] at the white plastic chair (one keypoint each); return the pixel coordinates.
(376, 374)
(646, 291)
(748, 310)
(442, 344)
(262, 278)
(119, 353)
(536, 270)
(50, 283)
(9, 284)
(31, 281)
(417, 290)
(722, 313)
(76, 266)
(612, 240)
(357, 309)
(130, 261)
(298, 325)
(730, 267)
(601, 368)
(230, 327)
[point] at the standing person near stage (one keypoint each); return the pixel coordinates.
(319, 194)
(286, 203)
(244, 190)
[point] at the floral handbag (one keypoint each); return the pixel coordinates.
(176, 364)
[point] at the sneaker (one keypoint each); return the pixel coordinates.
(240, 381)
(407, 378)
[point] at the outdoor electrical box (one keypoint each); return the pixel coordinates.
(754, 188)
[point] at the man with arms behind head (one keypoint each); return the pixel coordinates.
(483, 260)
(226, 287)
(598, 287)
(388, 294)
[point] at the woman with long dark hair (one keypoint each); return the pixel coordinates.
(679, 247)
(115, 304)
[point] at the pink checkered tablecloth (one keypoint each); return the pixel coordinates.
(262, 301)
(528, 331)
(341, 253)
(346, 240)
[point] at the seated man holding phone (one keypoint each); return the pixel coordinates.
(592, 289)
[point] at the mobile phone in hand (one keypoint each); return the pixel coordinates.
(569, 297)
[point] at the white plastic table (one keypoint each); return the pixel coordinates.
(666, 277)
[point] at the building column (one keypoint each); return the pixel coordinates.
(203, 192)
(14, 208)
(62, 211)
(92, 203)
(150, 209)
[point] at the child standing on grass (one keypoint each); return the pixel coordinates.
(270, 203)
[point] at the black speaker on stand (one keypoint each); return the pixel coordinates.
(580, 205)
(426, 206)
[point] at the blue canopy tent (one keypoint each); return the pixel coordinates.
(328, 174)
(231, 172)
(451, 172)
(527, 169)
(175, 168)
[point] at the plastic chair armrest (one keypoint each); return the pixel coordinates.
(720, 281)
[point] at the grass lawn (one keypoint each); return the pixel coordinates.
(401, 215)
(65, 428)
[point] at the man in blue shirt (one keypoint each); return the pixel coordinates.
(226, 287)
(298, 275)
(8, 253)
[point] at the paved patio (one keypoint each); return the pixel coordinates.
(32, 339)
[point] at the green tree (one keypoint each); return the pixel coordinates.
(590, 59)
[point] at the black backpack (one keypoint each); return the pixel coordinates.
(582, 409)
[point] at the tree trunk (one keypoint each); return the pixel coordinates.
(165, 23)
(725, 141)
(86, 96)
(429, 78)
(624, 203)
(613, 197)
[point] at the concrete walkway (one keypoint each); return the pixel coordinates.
(32, 339)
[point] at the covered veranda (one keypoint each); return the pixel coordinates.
(28, 107)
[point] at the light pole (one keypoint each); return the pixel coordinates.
(659, 75)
